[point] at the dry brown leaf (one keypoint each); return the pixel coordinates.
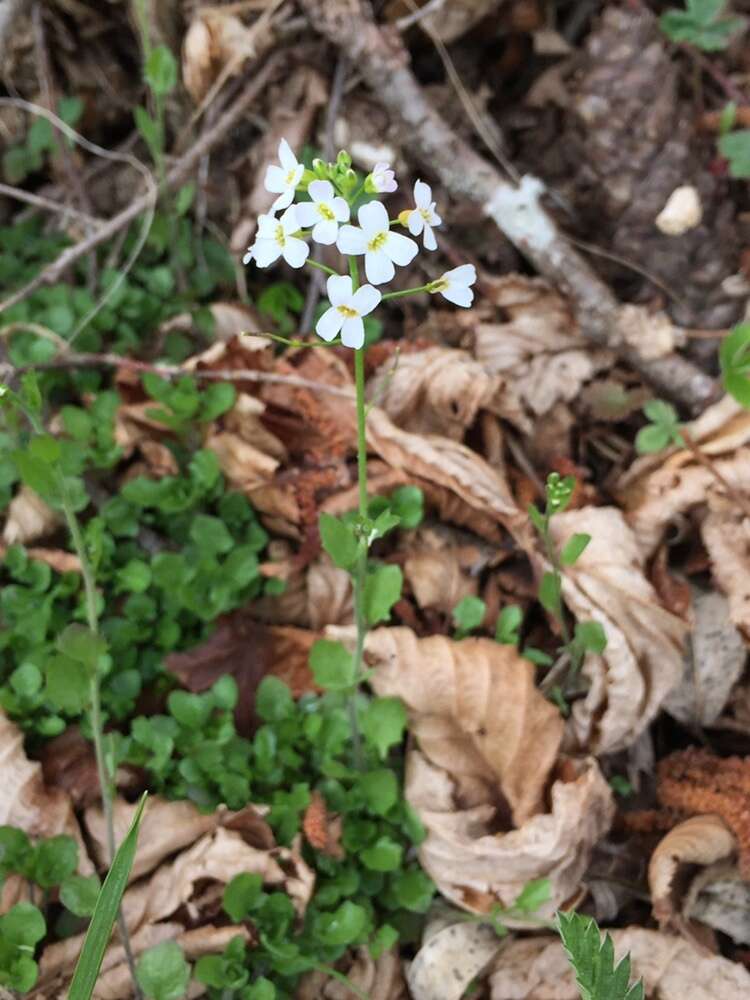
(726, 535)
(475, 712)
(651, 334)
(700, 840)
(672, 969)
(438, 580)
(436, 391)
(378, 980)
(329, 595)
(245, 466)
(455, 18)
(643, 660)
(29, 518)
(539, 349)
(722, 902)
(714, 662)
(58, 559)
(246, 420)
(450, 959)
(26, 802)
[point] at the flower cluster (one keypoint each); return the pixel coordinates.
(332, 190)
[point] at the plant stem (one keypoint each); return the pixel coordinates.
(320, 267)
(406, 291)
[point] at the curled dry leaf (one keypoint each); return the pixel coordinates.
(643, 659)
(671, 968)
(651, 334)
(538, 349)
(436, 391)
(726, 535)
(245, 466)
(700, 840)
(329, 595)
(438, 580)
(450, 960)
(29, 518)
(380, 979)
(488, 742)
(714, 662)
(215, 47)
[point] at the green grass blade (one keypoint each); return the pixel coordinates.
(105, 914)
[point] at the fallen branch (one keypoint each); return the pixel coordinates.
(176, 176)
(517, 211)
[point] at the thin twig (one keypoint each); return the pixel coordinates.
(39, 201)
(700, 456)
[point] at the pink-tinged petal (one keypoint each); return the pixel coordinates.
(459, 295)
(265, 252)
(339, 289)
(329, 323)
(289, 221)
(351, 240)
(340, 209)
(430, 243)
(465, 274)
(275, 179)
(267, 226)
(415, 223)
(378, 267)
(284, 200)
(381, 168)
(400, 249)
(307, 214)
(422, 194)
(286, 157)
(295, 252)
(353, 333)
(365, 299)
(373, 218)
(320, 190)
(325, 232)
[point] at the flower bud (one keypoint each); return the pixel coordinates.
(321, 169)
(343, 160)
(403, 217)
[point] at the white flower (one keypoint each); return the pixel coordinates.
(455, 285)
(382, 178)
(275, 240)
(381, 247)
(283, 180)
(347, 310)
(422, 218)
(323, 213)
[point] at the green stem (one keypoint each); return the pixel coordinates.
(329, 970)
(406, 291)
(555, 563)
(320, 267)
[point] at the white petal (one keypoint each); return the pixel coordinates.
(248, 256)
(275, 179)
(265, 252)
(286, 157)
(353, 333)
(430, 243)
(373, 218)
(307, 214)
(340, 209)
(289, 221)
(459, 295)
(422, 194)
(365, 299)
(400, 249)
(295, 252)
(329, 323)
(415, 223)
(435, 219)
(320, 190)
(339, 289)
(284, 200)
(378, 267)
(466, 274)
(351, 240)
(267, 226)
(325, 232)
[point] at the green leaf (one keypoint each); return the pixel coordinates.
(38, 475)
(160, 71)
(735, 146)
(537, 519)
(469, 614)
(218, 398)
(185, 198)
(105, 913)
(660, 412)
(339, 541)
(26, 680)
(574, 548)
(591, 637)
(407, 503)
(382, 590)
(651, 439)
(414, 890)
(274, 701)
(549, 594)
(79, 894)
(55, 859)
(67, 684)
(385, 855)
(23, 926)
(384, 723)
(332, 665)
(149, 130)
(379, 790)
(210, 535)
(15, 850)
(79, 643)
(342, 927)
(162, 972)
(593, 960)
(190, 710)
(508, 625)
(534, 894)
(242, 895)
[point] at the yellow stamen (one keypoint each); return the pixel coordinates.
(439, 285)
(290, 177)
(326, 212)
(279, 235)
(425, 213)
(377, 241)
(347, 311)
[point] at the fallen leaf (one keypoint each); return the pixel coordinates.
(726, 535)
(450, 960)
(651, 334)
(244, 465)
(29, 518)
(714, 662)
(643, 659)
(671, 968)
(322, 831)
(68, 762)
(58, 559)
(329, 595)
(722, 902)
(700, 840)
(438, 580)
(379, 979)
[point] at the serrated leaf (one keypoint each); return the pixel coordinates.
(593, 961)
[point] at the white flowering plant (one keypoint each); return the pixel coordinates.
(317, 205)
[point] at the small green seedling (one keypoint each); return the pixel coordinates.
(662, 430)
(734, 358)
(701, 25)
